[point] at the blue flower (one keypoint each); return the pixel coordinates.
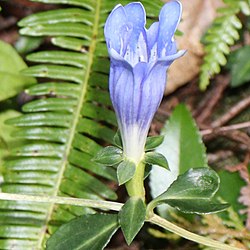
(139, 59)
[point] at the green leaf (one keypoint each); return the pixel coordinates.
(88, 232)
(70, 43)
(230, 187)
(55, 71)
(147, 171)
(26, 44)
(51, 104)
(109, 156)
(59, 57)
(153, 142)
(117, 139)
(155, 158)
(178, 33)
(73, 29)
(218, 39)
(6, 141)
(57, 16)
(182, 147)
(53, 88)
(202, 206)
(196, 183)
(125, 171)
(239, 65)
(193, 191)
(244, 6)
(132, 217)
(12, 82)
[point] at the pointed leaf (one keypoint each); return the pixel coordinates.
(70, 43)
(6, 141)
(192, 192)
(153, 142)
(55, 71)
(57, 16)
(88, 232)
(195, 183)
(12, 82)
(60, 89)
(199, 206)
(109, 156)
(239, 66)
(182, 147)
(50, 104)
(230, 189)
(132, 217)
(26, 44)
(73, 29)
(125, 171)
(147, 171)
(155, 158)
(118, 140)
(59, 57)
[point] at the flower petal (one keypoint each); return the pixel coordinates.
(151, 94)
(114, 26)
(168, 20)
(136, 50)
(118, 70)
(139, 60)
(137, 17)
(170, 58)
(152, 36)
(115, 57)
(120, 87)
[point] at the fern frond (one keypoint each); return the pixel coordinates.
(65, 126)
(220, 36)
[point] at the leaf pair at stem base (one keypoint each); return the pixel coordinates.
(126, 168)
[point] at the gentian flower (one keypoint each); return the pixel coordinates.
(139, 59)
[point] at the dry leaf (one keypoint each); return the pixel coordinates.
(197, 17)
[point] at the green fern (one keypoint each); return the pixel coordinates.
(222, 34)
(65, 126)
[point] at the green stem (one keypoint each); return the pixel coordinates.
(155, 219)
(115, 206)
(135, 186)
(105, 205)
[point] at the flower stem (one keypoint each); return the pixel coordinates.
(135, 186)
(105, 205)
(155, 219)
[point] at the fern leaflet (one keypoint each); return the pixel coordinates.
(220, 36)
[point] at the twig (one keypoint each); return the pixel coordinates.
(238, 136)
(235, 110)
(242, 168)
(155, 219)
(212, 99)
(225, 128)
(219, 156)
